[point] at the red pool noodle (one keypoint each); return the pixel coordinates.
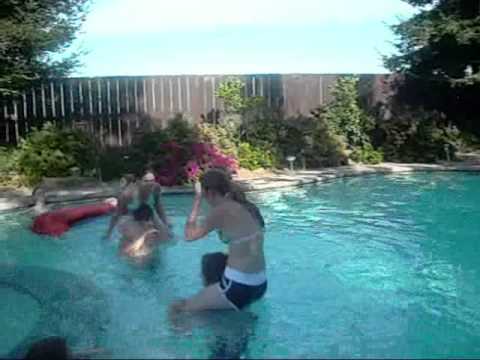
(55, 223)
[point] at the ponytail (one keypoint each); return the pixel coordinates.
(236, 193)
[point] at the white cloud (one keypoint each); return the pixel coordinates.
(111, 17)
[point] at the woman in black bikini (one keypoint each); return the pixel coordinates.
(240, 225)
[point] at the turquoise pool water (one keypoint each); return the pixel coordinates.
(362, 267)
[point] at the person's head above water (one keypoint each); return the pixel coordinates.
(148, 176)
(52, 348)
(217, 183)
(213, 266)
(143, 213)
(127, 180)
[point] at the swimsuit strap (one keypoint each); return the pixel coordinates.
(246, 238)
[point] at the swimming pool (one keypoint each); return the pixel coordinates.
(377, 266)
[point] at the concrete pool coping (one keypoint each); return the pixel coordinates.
(17, 199)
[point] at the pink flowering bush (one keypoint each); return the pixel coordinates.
(186, 163)
(205, 156)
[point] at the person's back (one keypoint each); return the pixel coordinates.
(244, 236)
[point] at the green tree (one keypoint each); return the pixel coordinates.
(34, 38)
(344, 114)
(438, 52)
(442, 41)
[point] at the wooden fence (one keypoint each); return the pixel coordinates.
(113, 108)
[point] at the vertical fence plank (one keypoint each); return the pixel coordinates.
(127, 96)
(179, 95)
(117, 95)
(109, 98)
(205, 96)
(127, 108)
(145, 98)
(100, 112)
(187, 95)
(52, 100)
(135, 89)
(269, 91)
(34, 103)
(7, 124)
(170, 92)
(214, 98)
(154, 100)
(162, 96)
(320, 89)
(15, 121)
(80, 96)
(90, 100)
(25, 112)
(72, 102)
(109, 109)
(119, 120)
(62, 102)
(99, 96)
(44, 105)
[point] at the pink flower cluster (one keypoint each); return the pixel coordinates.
(205, 156)
(185, 163)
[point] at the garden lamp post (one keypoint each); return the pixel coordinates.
(291, 159)
(446, 148)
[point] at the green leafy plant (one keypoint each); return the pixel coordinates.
(252, 157)
(9, 175)
(367, 155)
(53, 152)
(218, 135)
(419, 135)
(326, 147)
(344, 114)
(231, 92)
(179, 130)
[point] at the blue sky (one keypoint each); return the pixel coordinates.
(156, 37)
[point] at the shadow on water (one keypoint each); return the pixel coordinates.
(229, 332)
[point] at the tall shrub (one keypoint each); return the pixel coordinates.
(53, 152)
(345, 115)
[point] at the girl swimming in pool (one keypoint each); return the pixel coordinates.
(240, 225)
(142, 235)
(140, 192)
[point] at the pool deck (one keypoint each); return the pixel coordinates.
(21, 199)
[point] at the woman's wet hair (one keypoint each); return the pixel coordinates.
(213, 266)
(143, 213)
(129, 179)
(52, 348)
(221, 182)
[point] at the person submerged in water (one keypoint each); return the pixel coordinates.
(240, 225)
(142, 235)
(141, 192)
(56, 348)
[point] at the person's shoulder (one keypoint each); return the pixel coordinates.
(157, 188)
